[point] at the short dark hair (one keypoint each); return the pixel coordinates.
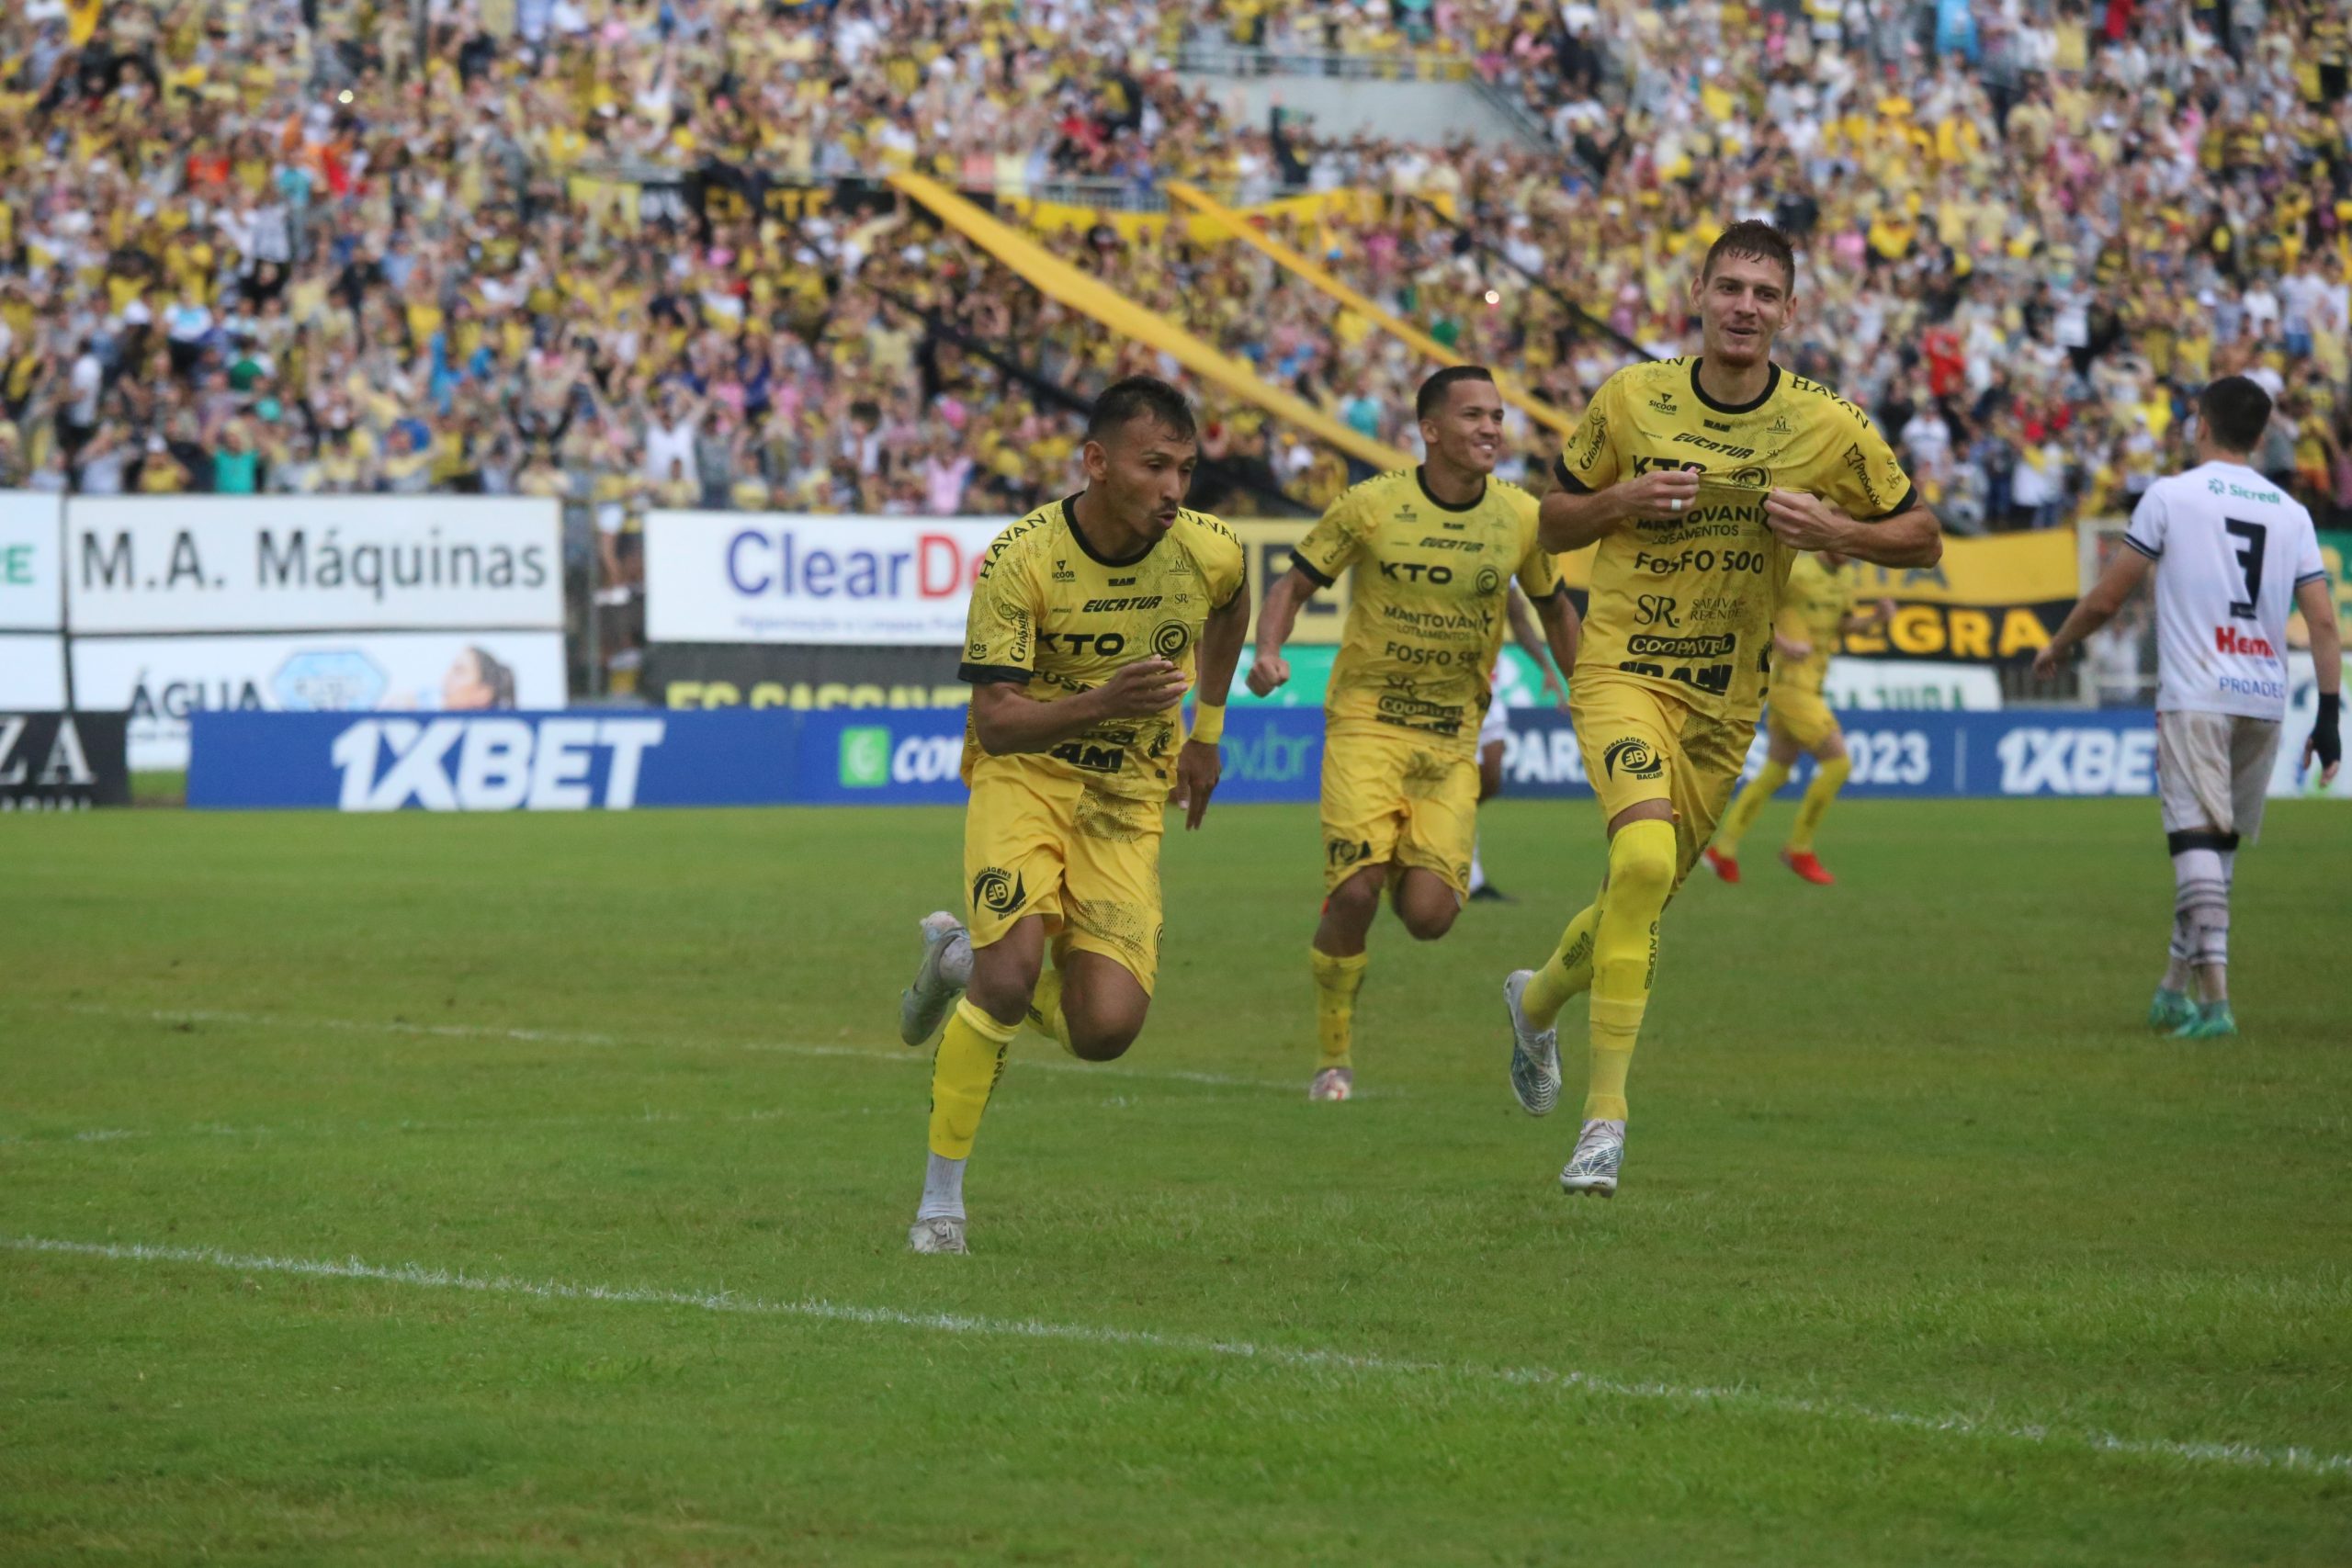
(1430, 402)
(1135, 396)
(2236, 411)
(1757, 240)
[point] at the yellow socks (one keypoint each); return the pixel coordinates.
(1337, 981)
(1046, 1007)
(1826, 781)
(1743, 813)
(1641, 878)
(1567, 972)
(964, 1073)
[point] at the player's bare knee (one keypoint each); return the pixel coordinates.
(1427, 922)
(1357, 899)
(1103, 1044)
(1003, 982)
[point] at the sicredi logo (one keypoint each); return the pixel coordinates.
(491, 764)
(866, 757)
(780, 563)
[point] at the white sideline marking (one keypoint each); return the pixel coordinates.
(2241, 1456)
(566, 1037)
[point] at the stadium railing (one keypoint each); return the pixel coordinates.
(1220, 58)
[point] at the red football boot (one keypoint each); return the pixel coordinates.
(1805, 864)
(1722, 865)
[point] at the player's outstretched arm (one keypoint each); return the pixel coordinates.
(1008, 720)
(1201, 764)
(1808, 523)
(2326, 740)
(1270, 669)
(1571, 517)
(1561, 630)
(2094, 609)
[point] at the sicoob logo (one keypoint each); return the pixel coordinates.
(998, 891)
(1633, 757)
(1169, 638)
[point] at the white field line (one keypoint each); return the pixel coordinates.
(1737, 1398)
(570, 1037)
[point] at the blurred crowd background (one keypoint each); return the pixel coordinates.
(635, 253)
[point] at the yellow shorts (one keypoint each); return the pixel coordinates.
(1640, 743)
(1401, 800)
(1035, 843)
(1800, 717)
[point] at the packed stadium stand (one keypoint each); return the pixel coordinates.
(641, 253)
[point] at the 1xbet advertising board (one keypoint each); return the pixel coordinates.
(619, 760)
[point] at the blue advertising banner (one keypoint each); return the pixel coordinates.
(619, 760)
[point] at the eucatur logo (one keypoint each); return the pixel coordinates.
(1633, 757)
(999, 891)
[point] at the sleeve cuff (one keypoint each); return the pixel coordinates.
(1568, 481)
(1307, 570)
(993, 674)
(2151, 554)
(1910, 499)
(2319, 576)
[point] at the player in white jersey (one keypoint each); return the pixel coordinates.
(1493, 730)
(2230, 550)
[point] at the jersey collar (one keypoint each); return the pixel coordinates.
(1069, 519)
(1421, 478)
(1771, 385)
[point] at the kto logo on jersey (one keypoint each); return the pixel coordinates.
(1415, 571)
(1633, 757)
(2229, 639)
(493, 764)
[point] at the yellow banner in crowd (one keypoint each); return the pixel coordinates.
(1060, 280)
(1349, 204)
(1996, 598)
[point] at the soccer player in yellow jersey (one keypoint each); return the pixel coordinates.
(1817, 610)
(1698, 480)
(1088, 620)
(1433, 551)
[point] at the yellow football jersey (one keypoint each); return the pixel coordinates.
(1050, 615)
(1426, 619)
(1813, 607)
(1688, 604)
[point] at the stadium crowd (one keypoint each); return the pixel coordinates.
(561, 246)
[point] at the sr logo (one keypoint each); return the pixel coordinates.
(1170, 638)
(1633, 757)
(1655, 610)
(998, 891)
(1488, 580)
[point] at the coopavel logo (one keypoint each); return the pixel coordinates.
(493, 764)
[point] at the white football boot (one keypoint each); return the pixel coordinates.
(1535, 1053)
(946, 970)
(1332, 1083)
(1601, 1155)
(945, 1234)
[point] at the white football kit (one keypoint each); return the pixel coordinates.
(2231, 548)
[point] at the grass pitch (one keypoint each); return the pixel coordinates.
(318, 1134)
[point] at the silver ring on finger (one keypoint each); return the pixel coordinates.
(1675, 504)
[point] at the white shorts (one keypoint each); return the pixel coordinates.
(1495, 728)
(2213, 772)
